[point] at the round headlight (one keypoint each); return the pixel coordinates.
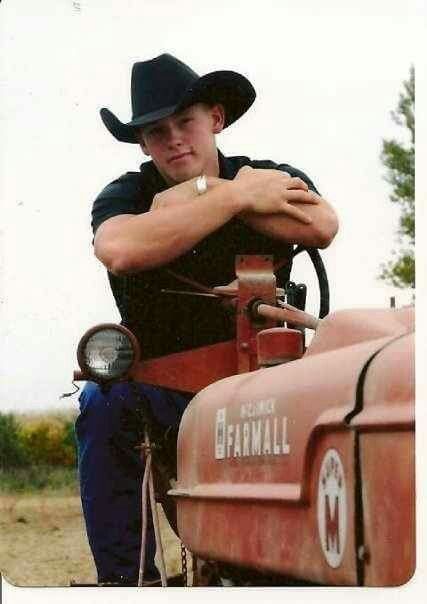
(107, 352)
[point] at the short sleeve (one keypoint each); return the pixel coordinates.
(122, 196)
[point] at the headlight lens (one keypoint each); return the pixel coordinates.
(107, 352)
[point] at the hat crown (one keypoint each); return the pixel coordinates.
(158, 83)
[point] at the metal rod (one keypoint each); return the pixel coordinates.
(156, 524)
(146, 453)
(221, 290)
(183, 292)
(288, 313)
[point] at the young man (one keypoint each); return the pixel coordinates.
(183, 217)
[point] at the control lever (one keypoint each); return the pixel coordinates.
(287, 313)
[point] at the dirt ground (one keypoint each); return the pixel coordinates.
(43, 542)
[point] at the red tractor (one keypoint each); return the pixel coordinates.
(295, 465)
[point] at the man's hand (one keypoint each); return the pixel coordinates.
(178, 194)
(273, 192)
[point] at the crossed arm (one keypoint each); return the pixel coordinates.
(269, 201)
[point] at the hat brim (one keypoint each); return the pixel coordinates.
(230, 89)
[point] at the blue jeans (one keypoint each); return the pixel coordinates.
(110, 471)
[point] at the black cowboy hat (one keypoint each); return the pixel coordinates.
(165, 85)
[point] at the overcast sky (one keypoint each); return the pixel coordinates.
(326, 77)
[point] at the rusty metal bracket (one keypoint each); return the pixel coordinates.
(256, 281)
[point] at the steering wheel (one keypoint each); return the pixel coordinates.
(322, 277)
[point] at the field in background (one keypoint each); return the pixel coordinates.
(43, 542)
(42, 536)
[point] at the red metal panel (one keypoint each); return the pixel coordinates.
(263, 498)
(388, 481)
(389, 389)
(278, 534)
(189, 371)
(271, 501)
(387, 452)
(312, 393)
(349, 327)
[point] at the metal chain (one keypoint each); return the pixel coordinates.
(184, 565)
(194, 571)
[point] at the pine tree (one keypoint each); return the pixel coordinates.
(399, 159)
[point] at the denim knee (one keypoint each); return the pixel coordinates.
(109, 428)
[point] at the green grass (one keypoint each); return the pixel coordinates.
(39, 478)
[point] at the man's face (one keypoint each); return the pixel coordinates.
(182, 146)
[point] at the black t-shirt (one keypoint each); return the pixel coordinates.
(165, 322)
